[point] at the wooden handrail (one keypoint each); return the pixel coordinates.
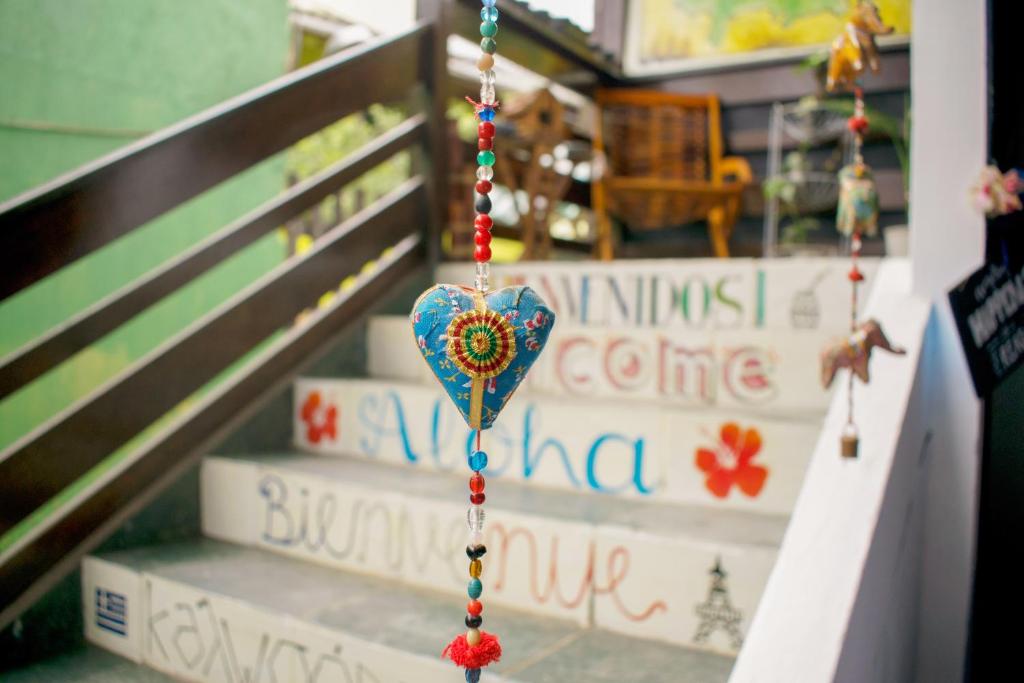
(53, 547)
(57, 345)
(44, 462)
(57, 223)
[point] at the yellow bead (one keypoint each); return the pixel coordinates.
(485, 63)
(473, 637)
(476, 567)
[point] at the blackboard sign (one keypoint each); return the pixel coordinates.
(989, 311)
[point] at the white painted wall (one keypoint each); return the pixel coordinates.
(947, 239)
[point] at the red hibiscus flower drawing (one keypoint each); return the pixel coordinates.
(321, 418)
(729, 462)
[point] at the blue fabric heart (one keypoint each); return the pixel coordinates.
(480, 346)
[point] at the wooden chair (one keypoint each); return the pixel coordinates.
(663, 166)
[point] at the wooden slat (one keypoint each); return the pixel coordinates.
(60, 343)
(41, 464)
(532, 43)
(75, 214)
(52, 549)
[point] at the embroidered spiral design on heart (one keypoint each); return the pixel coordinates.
(481, 344)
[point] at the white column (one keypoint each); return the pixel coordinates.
(947, 240)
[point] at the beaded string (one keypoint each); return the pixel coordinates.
(476, 649)
(858, 125)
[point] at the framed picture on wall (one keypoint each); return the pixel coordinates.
(674, 36)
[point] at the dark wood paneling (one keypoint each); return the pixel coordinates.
(39, 466)
(75, 214)
(60, 343)
(777, 82)
(60, 541)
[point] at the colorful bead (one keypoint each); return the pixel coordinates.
(475, 607)
(475, 552)
(485, 129)
(475, 516)
(485, 63)
(483, 186)
(489, 14)
(486, 114)
(485, 143)
(489, 45)
(481, 222)
(482, 254)
(472, 675)
(473, 637)
(477, 498)
(476, 567)
(474, 621)
(478, 461)
(483, 204)
(488, 3)
(485, 158)
(477, 483)
(484, 173)
(488, 29)
(857, 124)
(475, 588)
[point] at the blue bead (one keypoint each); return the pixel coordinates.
(488, 3)
(472, 675)
(478, 461)
(487, 114)
(475, 588)
(489, 14)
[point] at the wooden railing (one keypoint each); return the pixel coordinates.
(56, 511)
(53, 226)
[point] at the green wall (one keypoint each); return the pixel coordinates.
(80, 78)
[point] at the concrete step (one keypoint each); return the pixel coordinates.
(617, 564)
(688, 294)
(210, 612)
(86, 665)
(640, 450)
(749, 372)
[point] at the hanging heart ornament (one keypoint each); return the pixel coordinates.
(480, 345)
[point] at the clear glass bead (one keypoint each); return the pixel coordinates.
(487, 77)
(475, 538)
(489, 14)
(475, 518)
(487, 94)
(485, 173)
(483, 276)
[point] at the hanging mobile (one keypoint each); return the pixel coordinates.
(480, 343)
(857, 213)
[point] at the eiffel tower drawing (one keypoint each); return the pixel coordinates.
(717, 613)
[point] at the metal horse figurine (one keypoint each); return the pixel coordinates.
(854, 352)
(856, 45)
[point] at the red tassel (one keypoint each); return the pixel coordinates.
(479, 107)
(476, 657)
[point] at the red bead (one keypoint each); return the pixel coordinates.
(482, 253)
(483, 187)
(482, 238)
(855, 275)
(476, 483)
(485, 129)
(483, 222)
(485, 143)
(474, 607)
(857, 124)
(477, 499)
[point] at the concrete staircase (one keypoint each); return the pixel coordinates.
(639, 486)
